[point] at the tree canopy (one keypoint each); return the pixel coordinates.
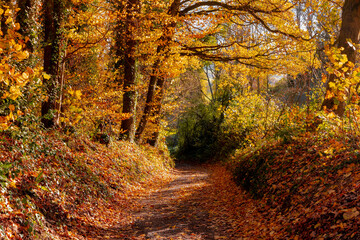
(124, 56)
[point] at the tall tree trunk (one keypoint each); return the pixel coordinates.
(350, 29)
(156, 112)
(53, 55)
(148, 103)
(27, 17)
(154, 98)
(156, 87)
(24, 18)
(126, 45)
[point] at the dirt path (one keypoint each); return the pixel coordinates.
(176, 211)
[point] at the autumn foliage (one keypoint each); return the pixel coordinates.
(95, 95)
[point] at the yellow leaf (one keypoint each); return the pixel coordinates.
(8, 20)
(12, 184)
(5, 80)
(14, 92)
(46, 76)
(22, 55)
(10, 116)
(78, 94)
(343, 59)
(11, 107)
(7, 12)
(5, 95)
(25, 75)
(332, 85)
(12, 42)
(324, 78)
(12, 71)
(331, 115)
(18, 47)
(329, 95)
(3, 123)
(351, 65)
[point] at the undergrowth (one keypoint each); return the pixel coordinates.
(306, 185)
(52, 182)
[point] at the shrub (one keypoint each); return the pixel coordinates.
(202, 134)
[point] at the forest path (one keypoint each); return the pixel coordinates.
(176, 211)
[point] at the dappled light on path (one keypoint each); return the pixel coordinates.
(174, 212)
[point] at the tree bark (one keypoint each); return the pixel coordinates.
(125, 50)
(350, 29)
(27, 17)
(148, 103)
(156, 87)
(24, 17)
(53, 54)
(154, 98)
(156, 112)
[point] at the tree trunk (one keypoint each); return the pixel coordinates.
(27, 17)
(53, 55)
(125, 51)
(350, 29)
(148, 103)
(24, 18)
(153, 140)
(157, 79)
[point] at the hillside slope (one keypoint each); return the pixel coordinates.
(57, 187)
(305, 189)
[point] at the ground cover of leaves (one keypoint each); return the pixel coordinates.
(201, 202)
(60, 187)
(305, 189)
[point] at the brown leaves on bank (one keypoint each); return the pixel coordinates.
(306, 189)
(72, 188)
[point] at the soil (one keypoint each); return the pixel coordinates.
(176, 211)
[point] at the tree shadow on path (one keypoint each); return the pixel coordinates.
(175, 212)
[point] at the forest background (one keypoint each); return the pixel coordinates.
(211, 80)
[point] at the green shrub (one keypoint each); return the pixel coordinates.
(202, 134)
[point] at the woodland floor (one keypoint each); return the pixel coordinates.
(199, 202)
(176, 210)
(181, 209)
